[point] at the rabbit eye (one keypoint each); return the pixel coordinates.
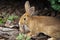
(24, 18)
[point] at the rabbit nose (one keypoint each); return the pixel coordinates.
(26, 29)
(21, 30)
(19, 23)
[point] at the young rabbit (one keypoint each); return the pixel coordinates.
(31, 25)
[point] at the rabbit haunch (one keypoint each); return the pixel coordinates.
(36, 24)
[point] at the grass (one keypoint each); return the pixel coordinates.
(22, 37)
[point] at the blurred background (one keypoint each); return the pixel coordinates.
(43, 7)
(11, 10)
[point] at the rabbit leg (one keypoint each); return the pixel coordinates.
(52, 39)
(29, 34)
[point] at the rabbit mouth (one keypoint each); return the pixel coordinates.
(25, 29)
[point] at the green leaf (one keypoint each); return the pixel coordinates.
(22, 37)
(12, 17)
(28, 38)
(55, 5)
(1, 21)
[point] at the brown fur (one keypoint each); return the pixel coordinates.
(36, 24)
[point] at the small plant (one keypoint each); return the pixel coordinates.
(12, 17)
(1, 21)
(7, 17)
(22, 37)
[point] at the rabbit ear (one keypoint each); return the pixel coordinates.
(32, 10)
(27, 6)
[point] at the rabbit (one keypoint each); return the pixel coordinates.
(31, 25)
